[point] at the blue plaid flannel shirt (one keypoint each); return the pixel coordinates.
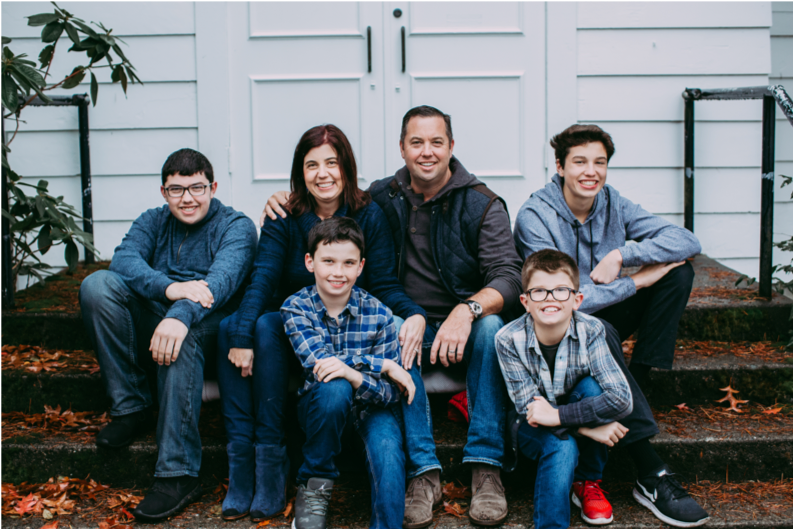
(363, 338)
(582, 352)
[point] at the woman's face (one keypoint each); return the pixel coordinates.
(323, 174)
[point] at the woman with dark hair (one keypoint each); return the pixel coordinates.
(255, 357)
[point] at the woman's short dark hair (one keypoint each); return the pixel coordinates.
(425, 111)
(335, 229)
(301, 200)
(187, 162)
(576, 135)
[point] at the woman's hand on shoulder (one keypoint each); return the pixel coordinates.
(273, 208)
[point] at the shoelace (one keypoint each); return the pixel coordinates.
(422, 482)
(317, 500)
(674, 487)
(488, 478)
(593, 492)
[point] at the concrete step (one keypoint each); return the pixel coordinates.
(717, 310)
(763, 373)
(730, 505)
(705, 443)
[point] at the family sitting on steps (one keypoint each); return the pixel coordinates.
(354, 291)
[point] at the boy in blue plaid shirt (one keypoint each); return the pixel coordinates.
(562, 378)
(347, 342)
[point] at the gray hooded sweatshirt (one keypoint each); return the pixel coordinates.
(545, 221)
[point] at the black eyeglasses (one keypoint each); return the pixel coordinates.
(195, 190)
(558, 293)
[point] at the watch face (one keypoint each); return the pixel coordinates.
(476, 308)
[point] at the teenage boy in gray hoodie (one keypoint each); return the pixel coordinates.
(580, 215)
(156, 313)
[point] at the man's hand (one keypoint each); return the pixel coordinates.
(242, 358)
(329, 368)
(607, 434)
(648, 275)
(541, 413)
(411, 337)
(401, 378)
(167, 341)
(608, 269)
(197, 291)
(450, 341)
(273, 206)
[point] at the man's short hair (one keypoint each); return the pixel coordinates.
(549, 261)
(187, 162)
(425, 111)
(576, 135)
(335, 229)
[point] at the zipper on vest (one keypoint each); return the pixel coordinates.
(179, 250)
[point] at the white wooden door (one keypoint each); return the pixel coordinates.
(483, 63)
(295, 65)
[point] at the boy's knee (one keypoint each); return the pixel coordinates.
(489, 326)
(681, 277)
(587, 387)
(100, 286)
(334, 397)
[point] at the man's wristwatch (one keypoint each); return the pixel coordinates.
(475, 307)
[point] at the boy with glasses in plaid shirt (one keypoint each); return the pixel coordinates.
(347, 342)
(563, 380)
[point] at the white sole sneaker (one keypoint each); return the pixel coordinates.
(638, 496)
(596, 521)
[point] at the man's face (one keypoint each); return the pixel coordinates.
(335, 266)
(584, 171)
(551, 312)
(191, 207)
(426, 149)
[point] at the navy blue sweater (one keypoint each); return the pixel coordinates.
(159, 250)
(279, 270)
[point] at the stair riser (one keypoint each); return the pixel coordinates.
(134, 466)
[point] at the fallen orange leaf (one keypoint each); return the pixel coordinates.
(772, 411)
(683, 407)
(263, 523)
(454, 509)
(52, 525)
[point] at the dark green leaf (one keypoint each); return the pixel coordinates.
(40, 207)
(6, 40)
(19, 195)
(23, 82)
(45, 241)
(46, 55)
(75, 78)
(7, 53)
(84, 27)
(72, 255)
(42, 19)
(94, 89)
(72, 32)
(13, 176)
(51, 32)
(117, 49)
(115, 76)
(43, 185)
(131, 75)
(123, 78)
(58, 234)
(10, 93)
(31, 74)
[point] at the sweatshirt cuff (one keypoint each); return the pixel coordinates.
(161, 284)
(183, 311)
(241, 341)
(629, 255)
(565, 417)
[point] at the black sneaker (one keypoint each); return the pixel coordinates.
(167, 497)
(122, 430)
(311, 505)
(668, 500)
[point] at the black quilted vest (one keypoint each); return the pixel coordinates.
(456, 221)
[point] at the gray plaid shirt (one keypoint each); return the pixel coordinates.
(582, 352)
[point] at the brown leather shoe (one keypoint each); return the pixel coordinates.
(488, 503)
(423, 494)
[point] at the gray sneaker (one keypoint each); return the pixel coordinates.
(311, 505)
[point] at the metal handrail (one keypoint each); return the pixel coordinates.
(772, 96)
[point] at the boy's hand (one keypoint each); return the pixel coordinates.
(197, 291)
(608, 269)
(167, 341)
(242, 358)
(411, 337)
(541, 413)
(401, 378)
(648, 275)
(329, 368)
(273, 206)
(608, 434)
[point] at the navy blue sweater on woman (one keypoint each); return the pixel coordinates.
(279, 270)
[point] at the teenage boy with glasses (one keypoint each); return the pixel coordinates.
(155, 315)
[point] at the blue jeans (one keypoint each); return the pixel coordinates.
(487, 398)
(120, 325)
(560, 462)
(254, 406)
(323, 412)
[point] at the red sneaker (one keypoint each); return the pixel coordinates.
(595, 508)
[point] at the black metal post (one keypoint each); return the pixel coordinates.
(8, 273)
(688, 181)
(85, 171)
(767, 197)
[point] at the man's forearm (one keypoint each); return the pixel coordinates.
(491, 300)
